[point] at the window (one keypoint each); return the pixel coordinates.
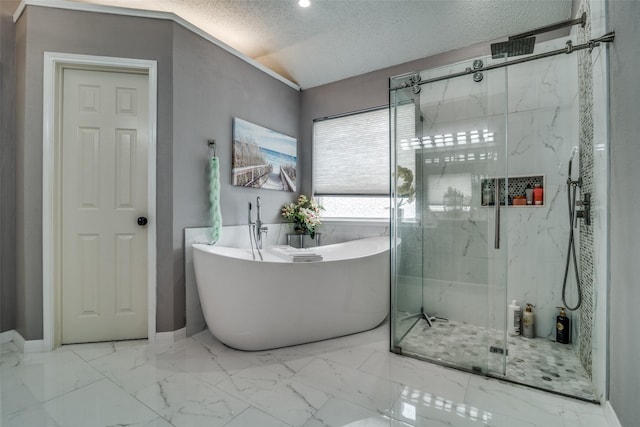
(351, 164)
(353, 207)
(351, 154)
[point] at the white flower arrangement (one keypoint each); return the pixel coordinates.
(304, 214)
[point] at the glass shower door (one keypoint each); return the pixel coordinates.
(449, 285)
(406, 255)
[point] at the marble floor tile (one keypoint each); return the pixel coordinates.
(254, 417)
(353, 357)
(185, 401)
(33, 416)
(338, 413)
(16, 397)
(420, 408)
(232, 361)
(361, 388)
(93, 351)
(99, 404)
(349, 381)
(10, 357)
(131, 368)
(446, 383)
(376, 337)
(525, 404)
(52, 374)
(587, 418)
(189, 356)
(276, 393)
(159, 422)
(294, 358)
(296, 365)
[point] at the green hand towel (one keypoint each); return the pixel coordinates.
(214, 198)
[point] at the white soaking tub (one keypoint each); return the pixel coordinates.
(260, 305)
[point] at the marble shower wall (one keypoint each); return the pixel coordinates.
(458, 250)
(543, 129)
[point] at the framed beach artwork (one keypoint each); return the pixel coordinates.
(263, 158)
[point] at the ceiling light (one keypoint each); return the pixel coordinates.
(304, 3)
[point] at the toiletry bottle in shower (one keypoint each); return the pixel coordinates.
(528, 322)
(528, 193)
(487, 195)
(537, 194)
(513, 320)
(563, 327)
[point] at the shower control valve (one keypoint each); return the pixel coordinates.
(585, 212)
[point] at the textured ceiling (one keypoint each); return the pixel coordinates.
(335, 39)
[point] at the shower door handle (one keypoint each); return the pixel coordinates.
(496, 243)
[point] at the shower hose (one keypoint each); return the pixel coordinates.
(571, 251)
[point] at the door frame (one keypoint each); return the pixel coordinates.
(54, 64)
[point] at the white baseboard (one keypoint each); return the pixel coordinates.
(171, 336)
(37, 346)
(31, 346)
(6, 337)
(610, 415)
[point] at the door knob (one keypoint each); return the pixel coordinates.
(142, 221)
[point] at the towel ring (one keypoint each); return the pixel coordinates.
(212, 145)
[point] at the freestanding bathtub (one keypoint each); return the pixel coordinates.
(260, 305)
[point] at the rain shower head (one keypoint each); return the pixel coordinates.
(515, 47)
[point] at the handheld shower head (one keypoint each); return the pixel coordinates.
(573, 153)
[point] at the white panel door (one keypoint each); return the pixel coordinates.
(104, 170)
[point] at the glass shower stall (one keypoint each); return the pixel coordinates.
(469, 144)
(450, 258)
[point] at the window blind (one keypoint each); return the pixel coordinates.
(351, 154)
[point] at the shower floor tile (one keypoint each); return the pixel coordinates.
(536, 362)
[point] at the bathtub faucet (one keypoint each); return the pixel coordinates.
(257, 227)
(260, 228)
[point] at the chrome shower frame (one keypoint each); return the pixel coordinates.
(569, 48)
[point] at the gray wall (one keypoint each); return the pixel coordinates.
(7, 166)
(624, 335)
(200, 87)
(210, 88)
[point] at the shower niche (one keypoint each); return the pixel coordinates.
(517, 191)
(474, 146)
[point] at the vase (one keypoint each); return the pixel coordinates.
(299, 229)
